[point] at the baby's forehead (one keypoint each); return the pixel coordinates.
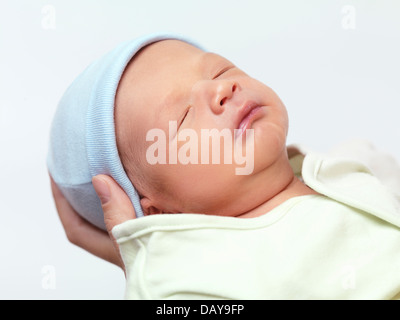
(175, 53)
(211, 59)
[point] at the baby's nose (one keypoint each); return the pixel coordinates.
(223, 91)
(214, 93)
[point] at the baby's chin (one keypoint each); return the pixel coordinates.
(265, 148)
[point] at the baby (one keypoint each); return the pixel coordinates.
(321, 227)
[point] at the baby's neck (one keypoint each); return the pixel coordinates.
(293, 188)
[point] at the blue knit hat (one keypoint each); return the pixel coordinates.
(82, 138)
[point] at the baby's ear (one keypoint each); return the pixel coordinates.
(148, 207)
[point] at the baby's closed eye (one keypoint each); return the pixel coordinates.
(222, 71)
(184, 116)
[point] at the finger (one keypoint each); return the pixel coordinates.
(117, 206)
(81, 233)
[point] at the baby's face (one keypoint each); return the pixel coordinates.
(173, 81)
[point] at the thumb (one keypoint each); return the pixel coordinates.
(117, 206)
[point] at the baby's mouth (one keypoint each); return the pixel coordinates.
(246, 116)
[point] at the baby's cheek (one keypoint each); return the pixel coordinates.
(199, 186)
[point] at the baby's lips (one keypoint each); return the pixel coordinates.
(254, 114)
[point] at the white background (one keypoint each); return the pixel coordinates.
(336, 81)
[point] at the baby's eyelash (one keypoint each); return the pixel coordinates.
(184, 117)
(220, 73)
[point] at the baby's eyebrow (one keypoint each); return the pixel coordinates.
(210, 60)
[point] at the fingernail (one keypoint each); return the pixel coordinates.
(102, 189)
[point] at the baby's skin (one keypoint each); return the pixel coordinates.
(173, 81)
